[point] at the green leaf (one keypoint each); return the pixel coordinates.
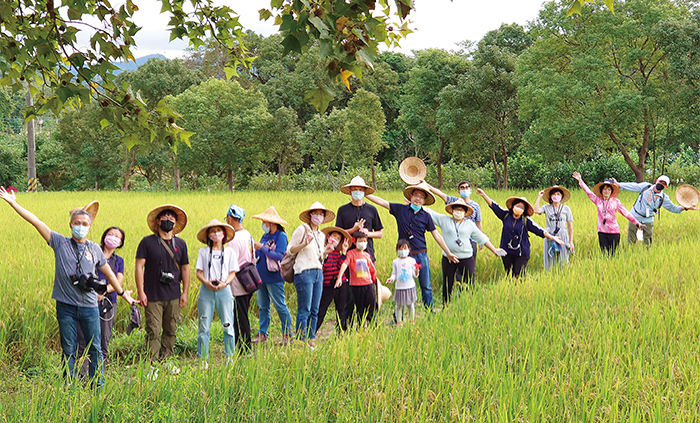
(574, 9)
(291, 43)
(320, 98)
(609, 3)
(320, 25)
(230, 72)
(104, 123)
(131, 140)
(264, 14)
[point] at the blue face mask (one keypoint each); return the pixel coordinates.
(465, 193)
(80, 231)
(414, 207)
(357, 195)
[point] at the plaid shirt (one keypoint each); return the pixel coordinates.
(331, 267)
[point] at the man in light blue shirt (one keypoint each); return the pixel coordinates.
(650, 199)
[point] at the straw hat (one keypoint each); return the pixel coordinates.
(270, 215)
(305, 216)
(357, 182)
(383, 294)
(429, 197)
(229, 232)
(181, 218)
(597, 188)
(687, 196)
(529, 210)
(412, 170)
(565, 194)
(93, 207)
(460, 202)
(330, 229)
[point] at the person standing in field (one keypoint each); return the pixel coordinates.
(216, 267)
(76, 259)
(363, 275)
(517, 225)
(404, 270)
(604, 196)
(649, 201)
(271, 249)
(161, 265)
(412, 223)
(308, 243)
(457, 230)
(242, 246)
(560, 222)
(337, 245)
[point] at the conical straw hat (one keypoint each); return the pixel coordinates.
(181, 218)
(412, 170)
(229, 232)
(383, 294)
(271, 215)
(357, 181)
(687, 196)
(305, 216)
(429, 197)
(93, 207)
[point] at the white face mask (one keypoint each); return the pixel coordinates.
(362, 245)
(357, 195)
(403, 253)
(458, 214)
(556, 198)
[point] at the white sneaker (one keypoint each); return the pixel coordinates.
(204, 365)
(152, 374)
(172, 369)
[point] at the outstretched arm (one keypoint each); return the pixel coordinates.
(441, 242)
(484, 196)
(40, 226)
(378, 201)
(437, 192)
(536, 207)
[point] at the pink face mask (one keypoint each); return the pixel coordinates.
(217, 236)
(112, 241)
(317, 219)
(556, 198)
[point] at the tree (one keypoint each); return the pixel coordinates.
(283, 142)
(364, 128)
(325, 141)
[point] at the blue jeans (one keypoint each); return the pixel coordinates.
(223, 300)
(88, 319)
(275, 292)
(309, 285)
(424, 278)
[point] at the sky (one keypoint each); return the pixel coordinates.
(437, 23)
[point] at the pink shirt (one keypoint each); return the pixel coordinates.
(242, 246)
(607, 210)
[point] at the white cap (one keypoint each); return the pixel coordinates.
(664, 180)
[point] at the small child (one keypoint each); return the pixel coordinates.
(363, 275)
(337, 242)
(403, 270)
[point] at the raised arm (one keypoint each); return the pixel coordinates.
(536, 207)
(378, 201)
(437, 192)
(484, 196)
(584, 187)
(40, 226)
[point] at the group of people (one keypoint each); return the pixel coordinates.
(331, 264)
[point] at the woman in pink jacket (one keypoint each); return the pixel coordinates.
(604, 195)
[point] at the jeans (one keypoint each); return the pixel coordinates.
(223, 301)
(88, 319)
(424, 278)
(275, 292)
(309, 285)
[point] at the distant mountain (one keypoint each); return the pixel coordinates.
(131, 65)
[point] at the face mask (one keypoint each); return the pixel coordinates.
(402, 253)
(167, 225)
(518, 211)
(361, 245)
(414, 207)
(458, 214)
(112, 241)
(333, 241)
(465, 193)
(660, 187)
(556, 198)
(216, 236)
(357, 195)
(265, 228)
(317, 219)
(80, 231)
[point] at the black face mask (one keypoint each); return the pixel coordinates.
(167, 225)
(660, 187)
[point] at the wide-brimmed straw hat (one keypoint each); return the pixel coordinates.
(462, 203)
(565, 194)
(429, 197)
(687, 195)
(412, 170)
(330, 229)
(92, 207)
(529, 210)
(270, 215)
(599, 186)
(180, 214)
(229, 232)
(357, 182)
(305, 216)
(383, 294)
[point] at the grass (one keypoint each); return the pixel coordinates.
(606, 339)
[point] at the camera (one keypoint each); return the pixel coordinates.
(215, 283)
(459, 242)
(89, 282)
(166, 278)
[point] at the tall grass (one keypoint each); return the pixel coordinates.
(606, 339)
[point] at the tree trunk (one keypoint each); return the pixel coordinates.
(374, 177)
(439, 162)
(31, 149)
(279, 175)
(496, 173)
(176, 173)
(229, 177)
(504, 152)
(128, 166)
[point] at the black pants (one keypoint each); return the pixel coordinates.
(241, 323)
(364, 303)
(465, 270)
(608, 242)
(340, 296)
(474, 250)
(514, 265)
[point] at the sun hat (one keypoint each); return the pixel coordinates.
(412, 170)
(687, 196)
(383, 294)
(429, 197)
(229, 232)
(236, 212)
(529, 210)
(330, 229)
(271, 215)
(92, 207)
(357, 181)
(565, 194)
(599, 186)
(180, 214)
(460, 202)
(664, 180)
(305, 216)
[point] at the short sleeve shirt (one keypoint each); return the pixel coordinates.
(217, 265)
(116, 263)
(362, 271)
(158, 260)
(412, 226)
(348, 214)
(91, 257)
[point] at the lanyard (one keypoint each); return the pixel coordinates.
(456, 227)
(79, 256)
(211, 253)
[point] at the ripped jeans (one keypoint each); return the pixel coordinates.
(223, 300)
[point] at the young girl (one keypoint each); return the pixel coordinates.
(336, 247)
(560, 222)
(403, 270)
